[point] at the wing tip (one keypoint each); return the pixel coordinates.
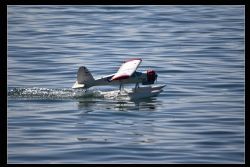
(132, 60)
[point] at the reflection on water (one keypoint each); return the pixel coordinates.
(132, 126)
(120, 105)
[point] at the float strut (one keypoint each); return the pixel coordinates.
(136, 85)
(120, 87)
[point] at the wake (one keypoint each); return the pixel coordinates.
(46, 93)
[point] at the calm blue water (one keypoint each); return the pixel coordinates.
(198, 52)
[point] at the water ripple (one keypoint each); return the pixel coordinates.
(197, 50)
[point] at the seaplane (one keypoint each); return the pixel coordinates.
(126, 74)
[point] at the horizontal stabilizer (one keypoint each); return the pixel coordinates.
(76, 85)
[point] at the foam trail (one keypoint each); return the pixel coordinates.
(45, 93)
(116, 95)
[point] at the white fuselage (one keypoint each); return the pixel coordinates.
(86, 80)
(137, 77)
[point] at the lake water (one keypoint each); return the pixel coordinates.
(197, 51)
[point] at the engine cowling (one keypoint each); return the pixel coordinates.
(151, 77)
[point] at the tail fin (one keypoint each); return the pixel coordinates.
(84, 78)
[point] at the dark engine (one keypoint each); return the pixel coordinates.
(151, 77)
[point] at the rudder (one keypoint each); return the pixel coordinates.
(84, 76)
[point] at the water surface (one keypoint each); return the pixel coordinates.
(197, 51)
